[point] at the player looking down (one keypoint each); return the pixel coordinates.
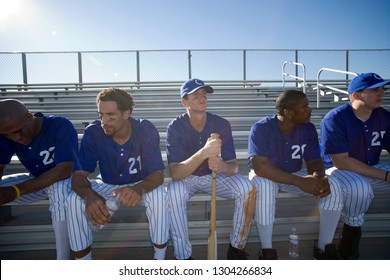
(129, 157)
(47, 148)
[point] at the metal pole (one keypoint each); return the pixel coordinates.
(346, 63)
(80, 62)
(24, 68)
(296, 67)
(138, 68)
(189, 64)
(244, 65)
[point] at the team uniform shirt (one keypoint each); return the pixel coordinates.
(341, 132)
(284, 151)
(183, 140)
(123, 164)
(56, 142)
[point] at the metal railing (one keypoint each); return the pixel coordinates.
(331, 87)
(302, 79)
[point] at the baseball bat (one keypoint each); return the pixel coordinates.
(212, 241)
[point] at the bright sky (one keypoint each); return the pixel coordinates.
(88, 25)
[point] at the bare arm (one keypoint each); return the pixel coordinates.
(345, 162)
(95, 204)
(2, 167)
(229, 168)
(316, 166)
(132, 195)
(181, 170)
(311, 184)
(60, 172)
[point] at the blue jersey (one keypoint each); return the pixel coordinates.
(123, 164)
(56, 142)
(284, 151)
(183, 140)
(342, 132)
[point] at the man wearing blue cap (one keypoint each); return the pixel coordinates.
(192, 157)
(352, 138)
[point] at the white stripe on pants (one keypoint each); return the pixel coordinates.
(358, 192)
(56, 193)
(268, 190)
(235, 187)
(155, 202)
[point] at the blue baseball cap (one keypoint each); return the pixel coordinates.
(193, 85)
(366, 81)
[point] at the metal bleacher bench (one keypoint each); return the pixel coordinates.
(133, 221)
(241, 106)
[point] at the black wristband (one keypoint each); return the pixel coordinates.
(387, 173)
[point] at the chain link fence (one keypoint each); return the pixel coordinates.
(178, 65)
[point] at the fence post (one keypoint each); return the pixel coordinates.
(24, 68)
(346, 63)
(296, 66)
(244, 64)
(80, 62)
(189, 64)
(138, 68)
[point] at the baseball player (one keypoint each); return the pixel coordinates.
(352, 139)
(277, 147)
(192, 156)
(129, 157)
(47, 147)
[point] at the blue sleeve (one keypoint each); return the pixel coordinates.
(334, 139)
(174, 144)
(258, 142)
(151, 158)
(66, 142)
(88, 154)
(312, 151)
(6, 150)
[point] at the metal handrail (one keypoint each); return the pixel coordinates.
(303, 79)
(331, 87)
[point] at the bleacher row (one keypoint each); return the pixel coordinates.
(241, 104)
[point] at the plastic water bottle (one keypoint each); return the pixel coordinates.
(294, 243)
(113, 205)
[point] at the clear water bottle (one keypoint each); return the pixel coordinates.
(113, 205)
(294, 243)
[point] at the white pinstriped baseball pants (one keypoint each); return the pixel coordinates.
(268, 190)
(235, 187)
(56, 193)
(357, 193)
(81, 236)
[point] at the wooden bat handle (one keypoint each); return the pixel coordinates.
(212, 246)
(214, 135)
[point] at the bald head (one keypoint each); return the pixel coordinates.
(11, 108)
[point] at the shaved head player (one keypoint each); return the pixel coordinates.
(47, 147)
